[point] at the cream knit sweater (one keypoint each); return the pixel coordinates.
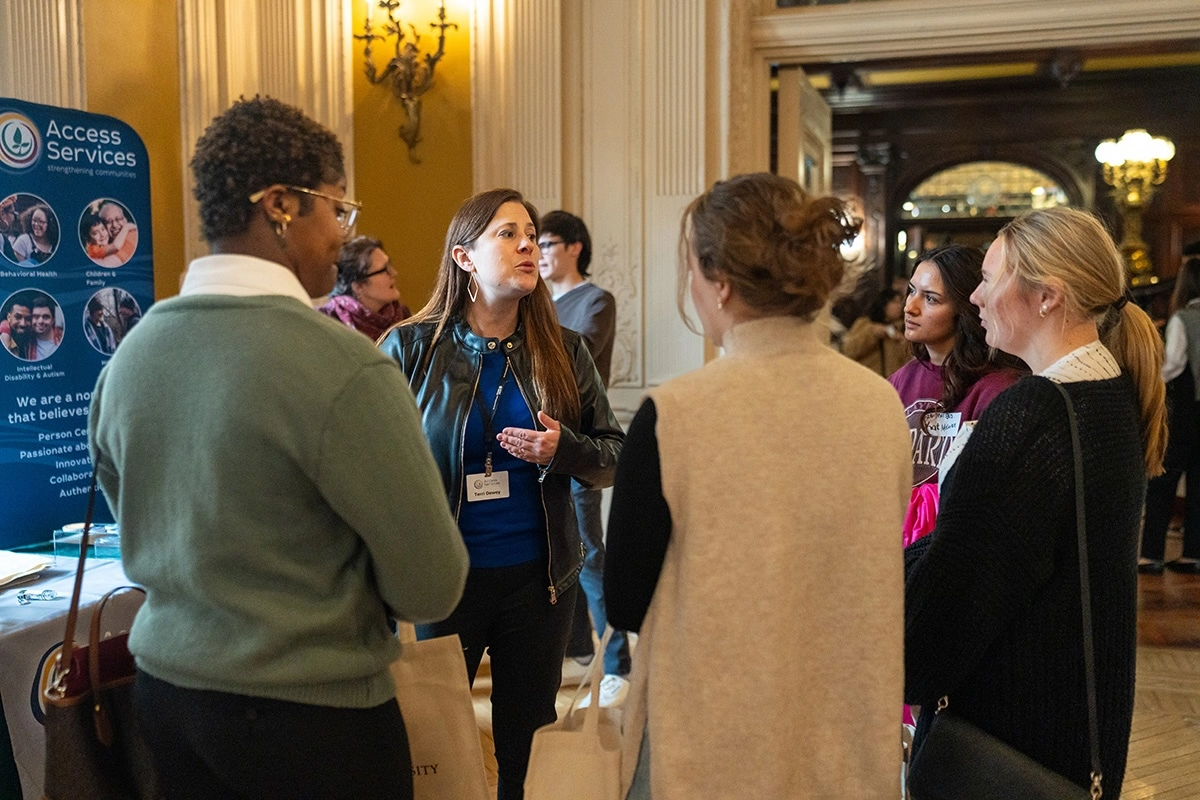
(770, 662)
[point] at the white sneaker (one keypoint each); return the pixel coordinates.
(613, 690)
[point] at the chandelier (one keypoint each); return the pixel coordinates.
(1133, 166)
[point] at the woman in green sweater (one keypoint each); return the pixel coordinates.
(275, 495)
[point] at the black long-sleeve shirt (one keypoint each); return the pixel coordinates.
(639, 525)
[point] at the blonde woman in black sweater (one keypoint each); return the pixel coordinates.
(992, 617)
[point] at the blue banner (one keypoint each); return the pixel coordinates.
(76, 275)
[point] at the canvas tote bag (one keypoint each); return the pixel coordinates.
(435, 700)
(578, 757)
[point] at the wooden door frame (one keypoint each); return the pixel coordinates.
(753, 35)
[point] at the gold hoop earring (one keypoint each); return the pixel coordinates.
(281, 226)
(472, 288)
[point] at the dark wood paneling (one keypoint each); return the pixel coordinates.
(1030, 120)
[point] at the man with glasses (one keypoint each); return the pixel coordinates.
(566, 253)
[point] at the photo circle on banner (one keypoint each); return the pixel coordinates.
(31, 324)
(108, 318)
(29, 232)
(108, 232)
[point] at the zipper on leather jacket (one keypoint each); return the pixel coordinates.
(542, 497)
(462, 450)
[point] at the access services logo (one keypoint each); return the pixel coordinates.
(20, 141)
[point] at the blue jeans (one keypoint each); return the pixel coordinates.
(591, 579)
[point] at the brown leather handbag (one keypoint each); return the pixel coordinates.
(94, 748)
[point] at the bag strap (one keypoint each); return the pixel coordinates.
(591, 681)
(68, 645)
(1085, 597)
(1085, 600)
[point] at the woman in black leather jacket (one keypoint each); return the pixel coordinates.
(513, 409)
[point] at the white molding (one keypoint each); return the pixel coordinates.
(611, 170)
(516, 98)
(202, 98)
(298, 51)
(903, 28)
(41, 52)
(489, 101)
(910, 28)
(675, 102)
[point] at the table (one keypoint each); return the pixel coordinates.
(30, 636)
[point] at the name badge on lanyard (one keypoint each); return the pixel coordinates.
(489, 485)
(481, 486)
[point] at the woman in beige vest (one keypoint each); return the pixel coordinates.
(768, 664)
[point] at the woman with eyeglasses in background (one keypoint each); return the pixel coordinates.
(270, 557)
(365, 296)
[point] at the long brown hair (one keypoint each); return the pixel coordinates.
(553, 375)
(1071, 248)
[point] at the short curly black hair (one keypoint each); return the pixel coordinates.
(255, 144)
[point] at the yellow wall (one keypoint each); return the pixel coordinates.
(132, 66)
(408, 205)
(134, 76)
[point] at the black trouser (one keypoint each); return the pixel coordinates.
(507, 610)
(218, 746)
(1160, 505)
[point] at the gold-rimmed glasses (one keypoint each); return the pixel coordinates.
(345, 210)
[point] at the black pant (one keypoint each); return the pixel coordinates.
(1160, 504)
(507, 610)
(218, 746)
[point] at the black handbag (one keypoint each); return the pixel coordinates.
(958, 761)
(94, 747)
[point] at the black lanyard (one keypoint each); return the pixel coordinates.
(489, 435)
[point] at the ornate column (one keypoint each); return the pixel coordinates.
(516, 98)
(41, 52)
(297, 51)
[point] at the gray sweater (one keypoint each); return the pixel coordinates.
(276, 499)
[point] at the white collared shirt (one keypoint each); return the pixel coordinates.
(1090, 362)
(241, 276)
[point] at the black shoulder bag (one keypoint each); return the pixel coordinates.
(958, 761)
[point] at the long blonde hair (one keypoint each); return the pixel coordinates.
(553, 376)
(1070, 248)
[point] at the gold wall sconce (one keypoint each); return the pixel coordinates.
(1133, 166)
(409, 72)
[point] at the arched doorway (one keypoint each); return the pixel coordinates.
(967, 203)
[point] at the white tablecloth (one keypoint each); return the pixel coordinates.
(30, 637)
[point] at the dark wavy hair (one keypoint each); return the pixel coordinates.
(570, 229)
(255, 144)
(354, 261)
(776, 246)
(970, 358)
(553, 375)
